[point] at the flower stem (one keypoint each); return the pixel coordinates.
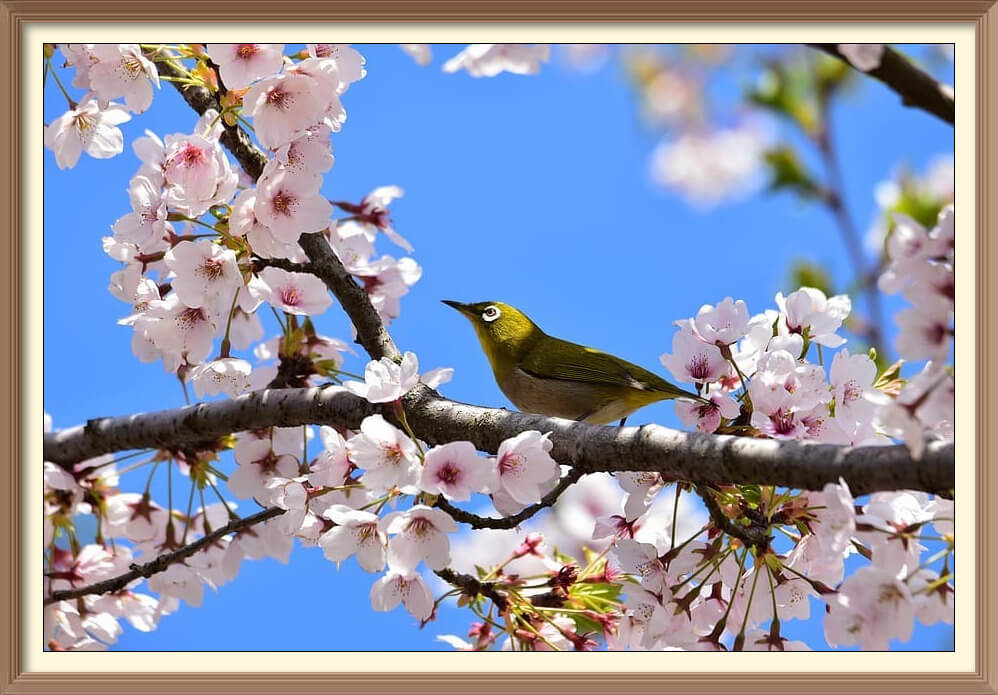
(62, 88)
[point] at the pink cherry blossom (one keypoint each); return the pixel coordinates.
(642, 560)
(419, 535)
(349, 63)
(871, 608)
(707, 416)
(243, 222)
(147, 221)
(694, 360)
(525, 467)
(258, 462)
(282, 106)
(197, 173)
(724, 324)
(181, 331)
(387, 456)
(86, 128)
(356, 532)
(206, 274)
(809, 310)
(455, 470)
(240, 64)
(295, 293)
(291, 206)
(386, 280)
(406, 588)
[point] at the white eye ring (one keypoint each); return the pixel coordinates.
(491, 313)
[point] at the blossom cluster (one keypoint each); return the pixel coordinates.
(190, 286)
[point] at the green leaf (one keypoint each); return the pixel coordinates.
(789, 173)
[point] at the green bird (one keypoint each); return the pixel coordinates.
(542, 374)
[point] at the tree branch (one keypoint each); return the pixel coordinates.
(915, 87)
(752, 535)
(677, 455)
(371, 332)
(515, 520)
(160, 563)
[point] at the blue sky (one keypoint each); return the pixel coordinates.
(530, 190)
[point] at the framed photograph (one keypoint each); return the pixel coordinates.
(366, 365)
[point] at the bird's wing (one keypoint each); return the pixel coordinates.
(559, 359)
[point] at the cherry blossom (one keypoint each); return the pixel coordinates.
(180, 331)
(387, 456)
(356, 532)
(197, 174)
(724, 324)
(295, 293)
(282, 106)
(524, 466)
(852, 378)
(291, 206)
(809, 310)
(240, 64)
(490, 59)
(420, 52)
(122, 71)
(707, 168)
(694, 360)
(407, 588)
(871, 608)
(228, 375)
(243, 221)
(349, 63)
(419, 535)
(206, 274)
(386, 381)
(258, 462)
(863, 56)
(455, 470)
(86, 128)
(707, 416)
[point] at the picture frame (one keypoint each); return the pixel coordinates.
(773, 674)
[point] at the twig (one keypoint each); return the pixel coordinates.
(163, 561)
(915, 87)
(515, 520)
(752, 535)
(471, 587)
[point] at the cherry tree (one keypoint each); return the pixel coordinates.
(805, 453)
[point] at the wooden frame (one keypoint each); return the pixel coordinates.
(15, 14)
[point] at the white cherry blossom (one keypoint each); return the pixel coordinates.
(419, 535)
(524, 466)
(455, 470)
(86, 128)
(407, 588)
(295, 293)
(356, 532)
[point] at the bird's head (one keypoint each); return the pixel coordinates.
(504, 331)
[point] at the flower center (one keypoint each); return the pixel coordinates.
(210, 269)
(283, 203)
(698, 366)
(290, 295)
(245, 51)
(448, 473)
(280, 98)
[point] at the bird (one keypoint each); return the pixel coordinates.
(542, 374)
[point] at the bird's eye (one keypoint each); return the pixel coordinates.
(491, 313)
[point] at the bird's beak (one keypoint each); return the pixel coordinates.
(463, 308)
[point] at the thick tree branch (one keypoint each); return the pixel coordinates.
(915, 87)
(515, 520)
(160, 563)
(371, 332)
(677, 455)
